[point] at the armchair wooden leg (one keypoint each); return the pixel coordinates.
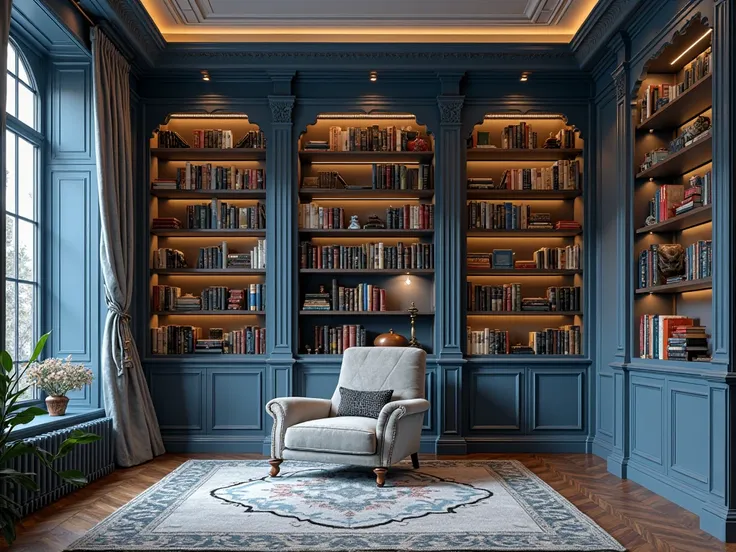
(415, 460)
(380, 476)
(275, 463)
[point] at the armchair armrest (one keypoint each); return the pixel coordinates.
(407, 413)
(289, 411)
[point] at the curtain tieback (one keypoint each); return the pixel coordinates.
(127, 343)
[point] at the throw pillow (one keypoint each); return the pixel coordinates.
(367, 404)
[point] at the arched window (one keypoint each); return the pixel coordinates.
(22, 144)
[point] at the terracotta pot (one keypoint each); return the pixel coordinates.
(390, 339)
(56, 405)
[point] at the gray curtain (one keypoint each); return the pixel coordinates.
(127, 400)
(4, 33)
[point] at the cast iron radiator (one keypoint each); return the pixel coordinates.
(95, 460)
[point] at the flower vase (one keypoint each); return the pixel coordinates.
(56, 405)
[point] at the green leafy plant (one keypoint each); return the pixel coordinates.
(14, 414)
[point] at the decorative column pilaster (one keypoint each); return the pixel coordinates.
(449, 247)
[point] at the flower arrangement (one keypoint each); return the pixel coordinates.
(57, 377)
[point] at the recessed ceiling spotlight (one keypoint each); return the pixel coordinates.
(374, 76)
(524, 76)
(205, 75)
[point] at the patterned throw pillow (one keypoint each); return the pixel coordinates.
(367, 404)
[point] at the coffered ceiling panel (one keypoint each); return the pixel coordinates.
(369, 21)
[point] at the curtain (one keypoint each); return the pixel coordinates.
(4, 34)
(127, 400)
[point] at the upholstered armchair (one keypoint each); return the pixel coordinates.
(316, 430)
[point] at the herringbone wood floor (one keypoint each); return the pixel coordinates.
(640, 520)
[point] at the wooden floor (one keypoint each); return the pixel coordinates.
(640, 520)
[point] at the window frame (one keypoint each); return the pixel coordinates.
(37, 140)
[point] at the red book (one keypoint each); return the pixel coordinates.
(382, 296)
(352, 336)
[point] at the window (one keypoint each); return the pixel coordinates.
(22, 143)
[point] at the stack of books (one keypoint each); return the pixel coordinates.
(653, 157)
(540, 221)
(209, 346)
(694, 195)
(481, 183)
(687, 343)
(321, 301)
(533, 304)
(164, 184)
(567, 225)
(666, 200)
(317, 145)
(236, 299)
(166, 223)
(238, 260)
(188, 303)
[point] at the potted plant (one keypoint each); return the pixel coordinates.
(13, 415)
(56, 377)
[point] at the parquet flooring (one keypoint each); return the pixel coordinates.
(639, 519)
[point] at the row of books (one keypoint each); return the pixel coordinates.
(171, 139)
(656, 96)
(170, 298)
(548, 258)
(671, 337)
(696, 264)
(392, 176)
(371, 256)
(333, 340)
(699, 260)
(218, 214)
(223, 139)
(207, 177)
(373, 138)
(166, 223)
(507, 298)
(487, 215)
(565, 340)
(165, 257)
(562, 175)
(220, 256)
(671, 200)
(362, 298)
(406, 217)
(181, 340)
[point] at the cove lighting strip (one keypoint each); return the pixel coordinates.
(208, 116)
(691, 47)
(525, 116)
(328, 116)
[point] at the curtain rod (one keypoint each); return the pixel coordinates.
(75, 3)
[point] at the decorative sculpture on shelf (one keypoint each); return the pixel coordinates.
(390, 339)
(671, 259)
(551, 142)
(354, 223)
(413, 310)
(374, 222)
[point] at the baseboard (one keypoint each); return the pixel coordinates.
(213, 444)
(428, 444)
(450, 446)
(528, 443)
(601, 449)
(617, 464)
(715, 519)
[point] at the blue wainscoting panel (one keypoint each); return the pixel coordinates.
(317, 382)
(647, 420)
(557, 399)
(689, 419)
(718, 441)
(71, 124)
(235, 399)
(429, 393)
(496, 399)
(605, 406)
(178, 396)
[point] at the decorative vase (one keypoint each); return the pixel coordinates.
(56, 405)
(410, 139)
(390, 339)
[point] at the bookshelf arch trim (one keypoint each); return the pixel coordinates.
(475, 115)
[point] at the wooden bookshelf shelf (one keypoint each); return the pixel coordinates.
(208, 233)
(388, 233)
(520, 356)
(209, 194)
(679, 287)
(366, 271)
(524, 194)
(538, 154)
(523, 233)
(368, 194)
(687, 159)
(210, 313)
(525, 313)
(367, 157)
(689, 104)
(523, 272)
(209, 154)
(361, 313)
(207, 271)
(694, 217)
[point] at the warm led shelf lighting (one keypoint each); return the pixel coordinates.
(328, 116)
(691, 47)
(516, 116)
(208, 116)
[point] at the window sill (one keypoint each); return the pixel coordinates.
(46, 423)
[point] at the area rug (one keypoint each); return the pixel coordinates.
(448, 506)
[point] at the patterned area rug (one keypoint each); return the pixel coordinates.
(448, 506)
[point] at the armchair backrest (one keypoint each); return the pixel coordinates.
(377, 368)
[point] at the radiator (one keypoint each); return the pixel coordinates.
(95, 460)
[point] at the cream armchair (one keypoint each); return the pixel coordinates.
(309, 429)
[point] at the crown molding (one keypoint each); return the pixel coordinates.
(606, 19)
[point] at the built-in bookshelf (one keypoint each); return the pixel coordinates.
(672, 207)
(524, 267)
(358, 280)
(207, 237)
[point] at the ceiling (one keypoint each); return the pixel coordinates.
(454, 21)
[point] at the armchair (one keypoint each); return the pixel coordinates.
(310, 429)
